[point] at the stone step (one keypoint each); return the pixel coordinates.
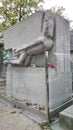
(34, 117)
(2, 84)
(2, 92)
(2, 80)
(3, 87)
(66, 118)
(3, 76)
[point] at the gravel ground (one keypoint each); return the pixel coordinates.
(12, 119)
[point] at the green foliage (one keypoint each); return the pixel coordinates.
(13, 11)
(58, 10)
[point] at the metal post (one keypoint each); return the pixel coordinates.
(47, 85)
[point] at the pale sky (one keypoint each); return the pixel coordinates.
(67, 4)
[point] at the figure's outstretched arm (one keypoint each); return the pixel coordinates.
(19, 60)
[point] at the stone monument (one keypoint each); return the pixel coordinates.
(26, 43)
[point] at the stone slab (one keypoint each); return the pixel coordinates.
(27, 84)
(60, 89)
(56, 126)
(24, 32)
(66, 118)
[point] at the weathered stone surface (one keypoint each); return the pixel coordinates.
(59, 88)
(71, 41)
(24, 32)
(27, 84)
(66, 118)
(30, 29)
(62, 44)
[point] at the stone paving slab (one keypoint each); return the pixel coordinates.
(56, 126)
(66, 118)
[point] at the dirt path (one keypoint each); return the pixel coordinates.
(12, 119)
